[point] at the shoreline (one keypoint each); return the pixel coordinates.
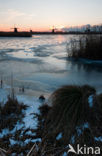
(5, 92)
(85, 61)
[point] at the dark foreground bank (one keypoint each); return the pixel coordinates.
(73, 117)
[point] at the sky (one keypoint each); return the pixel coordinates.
(43, 14)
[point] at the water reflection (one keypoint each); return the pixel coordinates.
(83, 73)
(88, 67)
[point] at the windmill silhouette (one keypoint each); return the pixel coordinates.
(53, 29)
(15, 29)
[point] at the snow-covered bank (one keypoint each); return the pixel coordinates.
(23, 132)
(33, 103)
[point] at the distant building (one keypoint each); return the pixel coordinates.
(15, 30)
(30, 31)
(53, 30)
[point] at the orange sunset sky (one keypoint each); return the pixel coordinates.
(41, 15)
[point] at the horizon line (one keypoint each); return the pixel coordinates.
(46, 28)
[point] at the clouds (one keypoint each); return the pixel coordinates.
(15, 13)
(11, 15)
(38, 13)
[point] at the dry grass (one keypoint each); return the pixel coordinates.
(70, 109)
(10, 113)
(69, 112)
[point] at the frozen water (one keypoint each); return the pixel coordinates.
(40, 64)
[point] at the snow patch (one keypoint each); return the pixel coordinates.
(65, 154)
(13, 154)
(27, 141)
(33, 103)
(90, 101)
(3, 96)
(30, 133)
(85, 125)
(98, 138)
(4, 132)
(28, 121)
(72, 139)
(59, 136)
(81, 128)
(13, 142)
(36, 140)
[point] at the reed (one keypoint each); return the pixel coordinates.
(88, 47)
(69, 112)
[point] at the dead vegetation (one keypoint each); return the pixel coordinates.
(70, 120)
